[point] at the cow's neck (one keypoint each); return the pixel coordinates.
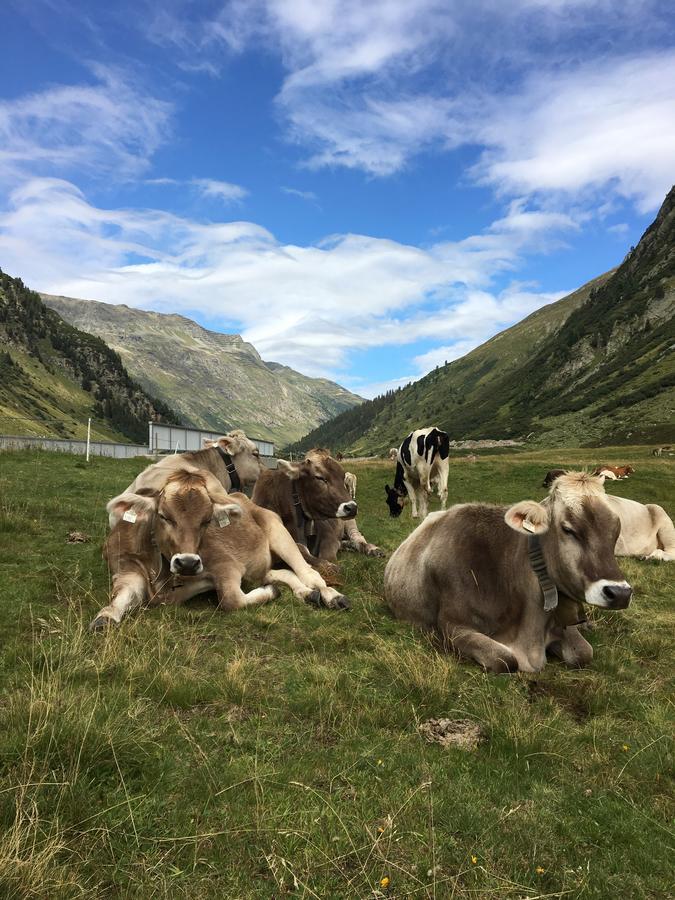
(235, 480)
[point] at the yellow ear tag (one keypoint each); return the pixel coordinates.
(222, 519)
(528, 526)
(129, 516)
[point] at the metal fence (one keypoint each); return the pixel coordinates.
(65, 445)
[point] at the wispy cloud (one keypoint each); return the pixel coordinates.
(356, 90)
(303, 195)
(222, 190)
(109, 127)
(308, 306)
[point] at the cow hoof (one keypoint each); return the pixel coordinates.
(101, 623)
(314, 599)
(375, 551)
(341, 602)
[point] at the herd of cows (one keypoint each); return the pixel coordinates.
(501, 586)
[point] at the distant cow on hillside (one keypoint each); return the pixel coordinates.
(422, 461)
(614, 472)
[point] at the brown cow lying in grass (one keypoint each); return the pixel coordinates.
(502, 585)
(314, 505)
(614, 472)
(213, 541)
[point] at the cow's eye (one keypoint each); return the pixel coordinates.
(568, 530)
(321, 478)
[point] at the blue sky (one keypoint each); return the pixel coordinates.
(362, 190)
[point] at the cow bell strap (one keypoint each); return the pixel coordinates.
(235, 480)
(548, 588)
(305, 525)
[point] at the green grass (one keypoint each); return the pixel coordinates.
(274, 752)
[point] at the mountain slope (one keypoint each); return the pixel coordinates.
(216, 381)
(595, 367)
(53, 377)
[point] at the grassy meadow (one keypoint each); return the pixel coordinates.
(275, 752)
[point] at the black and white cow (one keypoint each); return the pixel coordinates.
(421, 462)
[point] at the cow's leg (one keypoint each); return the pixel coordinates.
(129, 591)
(423, 503)
(572, 648)
(231, 596)
(283, 546)
(491, 654)
(176, 595)
(358, 542)
(413, 497)
(326, 596)
(665, 535)
(442, 485)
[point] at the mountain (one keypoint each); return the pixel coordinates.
(215, 381)
(53, 377)
(594, 368)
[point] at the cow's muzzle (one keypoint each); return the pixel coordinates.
(347, 510)
(186, 564)
(609, 594)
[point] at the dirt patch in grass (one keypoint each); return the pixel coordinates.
(461, 733)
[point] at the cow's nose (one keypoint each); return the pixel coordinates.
(186, 564)
(347, 510)
(618, 595)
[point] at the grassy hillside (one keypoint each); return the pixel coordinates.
(597, 366)
(53, 377)
(216, 381)
(275, 752)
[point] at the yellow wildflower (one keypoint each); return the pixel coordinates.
(539, 870)
(384, 882)
(626, 748)
(474, 860)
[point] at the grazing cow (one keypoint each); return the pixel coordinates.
(393, 453)
(502, 585)
(646, 529)
(306, 495)
(350, 484)
(233, 459)
(614, 472)
(551, 477)
(421, 461)
(217, 546)
(659, 451)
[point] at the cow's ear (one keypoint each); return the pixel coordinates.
(224, 513)
(130, 507)
(290, 470)
(214, 488)
(207, 443)
(527, 517)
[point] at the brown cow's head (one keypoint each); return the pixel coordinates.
(578, 534)
(190, 500)
(320, 482)
(245, 455)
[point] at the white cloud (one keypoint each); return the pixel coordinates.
(222, 190)
(303, 195)
(605, 124)
(307, 306)
(106, 128)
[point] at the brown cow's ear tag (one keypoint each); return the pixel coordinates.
(528, 526)
(222, 519)
(129, 516)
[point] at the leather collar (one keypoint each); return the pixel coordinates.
(548, 588)
(235, 480)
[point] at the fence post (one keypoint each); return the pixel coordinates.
(88, 437)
